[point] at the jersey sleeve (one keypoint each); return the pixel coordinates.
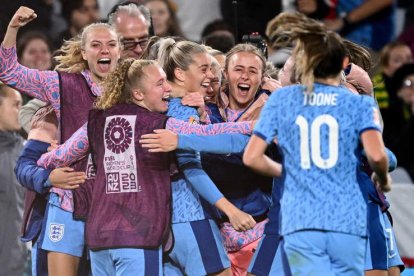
(42, 85)
(266, 127)
(190, 164)
(220, 143)
(182, 127)
(368, 115)
(74, 149)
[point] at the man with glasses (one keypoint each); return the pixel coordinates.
(132, 22)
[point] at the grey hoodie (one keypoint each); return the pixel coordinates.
(13, 252)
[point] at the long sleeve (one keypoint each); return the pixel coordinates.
(189, 163)
(27, 172)
(75, 148)
(182, 127)
(42, 85)
(220, 143)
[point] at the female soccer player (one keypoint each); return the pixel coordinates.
(320, 127)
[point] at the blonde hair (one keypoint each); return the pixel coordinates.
(69, 56)
(319, 53)
(117, 86)
(172, 55)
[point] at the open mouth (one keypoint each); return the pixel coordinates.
(243, 88)
(104, 64)
(166, 98)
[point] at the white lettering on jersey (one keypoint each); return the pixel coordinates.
(319, 99)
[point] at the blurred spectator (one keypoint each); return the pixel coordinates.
(219, 35)
(13, 253)
(403, 82)
(407, 36)
(252, 15)
(392, 57)
(78, 14)
(316, 9)
(34, 51)
(164, 19)
(132, 22)
(369, 23)
(195, 14)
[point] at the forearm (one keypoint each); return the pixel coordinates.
(182, 127)
(263, 165)
(27, 172)
(10, 37)
(254, 157)
(368, 8)
(220, 143)
(42, 85)
(74, 149)
(190, 165)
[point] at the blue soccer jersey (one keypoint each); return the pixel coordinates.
(319, 134)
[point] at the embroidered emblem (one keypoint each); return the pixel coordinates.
(56, 232)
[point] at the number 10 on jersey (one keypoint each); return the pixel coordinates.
(310, 141)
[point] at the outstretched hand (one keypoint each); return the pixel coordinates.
(162, 140)
(22, 16)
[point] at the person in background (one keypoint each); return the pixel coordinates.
(369, 23)
(132, 22)
(78, 14)
(392, 57)
(164, 19)
(403, 82)
(33, 51)
(13, 252)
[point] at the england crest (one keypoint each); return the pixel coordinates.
(56, 232)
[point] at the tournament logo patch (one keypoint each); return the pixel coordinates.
(118, 135)
(56, 232)
(120, 157)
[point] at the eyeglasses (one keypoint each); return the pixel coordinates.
(131, 44)
(408, 83)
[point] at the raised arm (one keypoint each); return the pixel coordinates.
(182, 127)
(74, 149)
(43, 85)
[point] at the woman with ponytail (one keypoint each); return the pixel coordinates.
(323, 210)
(71, 90)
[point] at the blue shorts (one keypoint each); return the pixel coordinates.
(313, 252)
(382, 250)
(376, 256)
(126, 261)
(39, 260)
(394, 258)
(63, 233)
(198, 248)
(269, 258)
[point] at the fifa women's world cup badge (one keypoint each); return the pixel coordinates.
(120, 157)
(118, 135)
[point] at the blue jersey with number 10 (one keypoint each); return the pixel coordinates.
(319, 134)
